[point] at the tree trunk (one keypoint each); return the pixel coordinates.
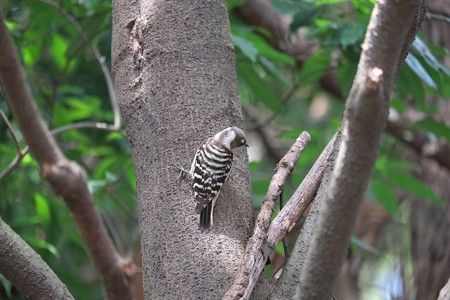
(174, 70)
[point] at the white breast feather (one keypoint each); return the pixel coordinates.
(228, 138)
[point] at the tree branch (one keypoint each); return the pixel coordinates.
(67, 178)
(245, 279)
(444, 294)
(79, 125)
(301, 199)
(293, 210)
(267, 140)
(26, 270)
(387, 38)
(280, 226)
(288, 281)
(260, 13)
(13, 134)
(419, 142)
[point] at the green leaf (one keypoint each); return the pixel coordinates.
(315, 67)
(268, 51)
(415, 187)
(291, 134)
(11, 25)
(42, 208)
(38, 243)
(328, 2)
(251, 42)
(420, 46)
(399, 105)
(384, 195)
(103, 166)
(112, 136)
(280, 249)
(386, 164)
(231, 4)
(246, 47)
(95, 185)
(438, 128)
(409, 83)
(31, 53)
(25, 221)
(59, 48)
(75, 109)
(7, 286)
(346, 73)
(304, 17)
(262, 91)
(260, 186)
(255, 165)
(352, 35)
(419, 70)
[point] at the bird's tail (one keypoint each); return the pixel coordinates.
(205, 218)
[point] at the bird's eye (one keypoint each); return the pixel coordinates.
(243, 141)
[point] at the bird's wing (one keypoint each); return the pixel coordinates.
(207, 186)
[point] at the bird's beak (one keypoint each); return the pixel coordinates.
(246, 145)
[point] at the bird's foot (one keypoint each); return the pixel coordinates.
(184, 174)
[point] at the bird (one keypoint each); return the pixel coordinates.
(210, 169)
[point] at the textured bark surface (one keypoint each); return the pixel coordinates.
(290, 277)
(390, 33)
(249, 271)
(174, 70)
(26, 270)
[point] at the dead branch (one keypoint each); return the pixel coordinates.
(240, 287)
(290, 214)
(301, 199)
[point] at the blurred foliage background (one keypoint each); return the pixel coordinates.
(283, 93)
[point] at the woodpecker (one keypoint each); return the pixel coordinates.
(210, 168)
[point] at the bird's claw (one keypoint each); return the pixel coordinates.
(183, 172)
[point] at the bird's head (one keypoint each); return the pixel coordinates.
(231, 138)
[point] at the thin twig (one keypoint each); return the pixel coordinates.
(11, 130)
(243, 285)
(14, 163)
(272, 150)
(98, 56)
(284, 100)
(81, 125)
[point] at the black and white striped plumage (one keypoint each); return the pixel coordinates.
(210, 168)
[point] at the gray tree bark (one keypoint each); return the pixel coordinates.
(290, 277)
(26, 270)
(174, 70)
(391, 30)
